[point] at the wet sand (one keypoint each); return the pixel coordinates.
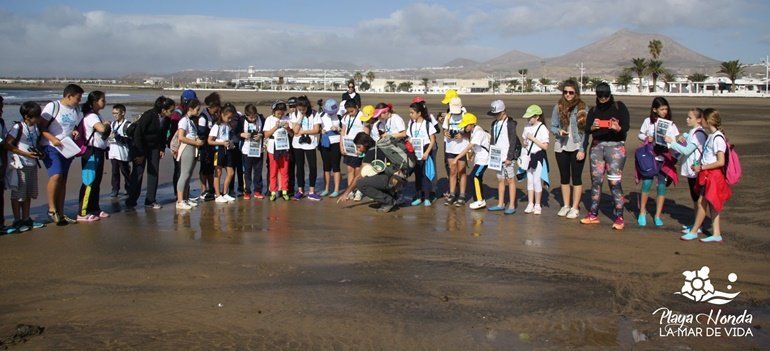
(304, 275)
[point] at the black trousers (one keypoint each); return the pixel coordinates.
(252, 167)
(300, 156)
(331, 157)
(570, 168)
(377, 188)
(238, 166)
(151, 163)
(120, 168)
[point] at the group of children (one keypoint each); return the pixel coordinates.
(234, 147)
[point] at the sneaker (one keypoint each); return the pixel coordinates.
(209, 197)
(359, 196)
(573, 213)
(298, 196)
(20, 226)
(314, 197)
(477, 205)
(285, 195)
(563, 211)
(154, 206)
(449, 201)
(509, 211)
(324, 193)
(689, 237)
(590, 219)
(202, 197)
(710, 239)
(658, 221)
(55, 218)
(68, 219)
(114, 194)
(32, 224)
(335, 194)
(417, 202)
(273, 196)
(385, 208)
(183, 206)
(103, 215)
(9, 230)
(87, 218)
(460, 202)
(351, 195)
(686, 229)
(530, 208)
(496, 208)
(642, 220)
(619, 224)
(426, 203)
(220, 200)
(258, 195)
(247, 196)
(537, 210)
(228, 197)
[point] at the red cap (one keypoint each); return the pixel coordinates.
(417, 100)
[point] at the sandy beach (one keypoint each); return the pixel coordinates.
(306, 275)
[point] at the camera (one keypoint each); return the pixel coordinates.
(305, 139)
(454, 133)
(33, 150)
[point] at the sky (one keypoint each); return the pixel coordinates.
(114, 38)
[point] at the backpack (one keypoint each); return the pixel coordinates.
(732, 168)
(400, 161)
(646, 164)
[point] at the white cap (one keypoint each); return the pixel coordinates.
(455, 106)
(496, 107)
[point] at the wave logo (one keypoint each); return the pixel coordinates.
(697, 287)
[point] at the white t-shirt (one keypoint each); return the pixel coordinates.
(648, 130)
(353, 125)
(542, 135)
(270, 123)
(96, 139)
(421, 130)
(500, 136)
(374, 130)
(480, 141)
(65, 121)
(327, 122)
(204, 120)
(221, 132)
(118, 151)
(454, 146)
(394, 124)
(249, 127)
(306, 123)
(714, 144)
(190, 130)
(697, 136)
(29, 137)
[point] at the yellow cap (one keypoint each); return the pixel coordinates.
(449, 95)
(368, 112)
(467, 120)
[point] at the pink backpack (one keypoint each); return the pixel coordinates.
(732, 168)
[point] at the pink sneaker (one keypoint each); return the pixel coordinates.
(103, 214)
(87, 218)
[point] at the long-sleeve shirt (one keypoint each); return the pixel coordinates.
(150, 132)
(571, 142)
(606, 112)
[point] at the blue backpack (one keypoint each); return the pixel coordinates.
(645, 161)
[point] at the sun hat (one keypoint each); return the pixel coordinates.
(533, 110)
(330, 107)
(417, 100)
(449, 95)
(368, 112)
(455, 106)
(379, 111)
(188, 94)
(467, 120)
(496, 107)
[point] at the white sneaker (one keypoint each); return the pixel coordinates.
(573, 213)
(478, 204)
(537, 210)
(563, 211)
(358, 196)
(220, 200)
(530, 208)
(183, 206)
(228, 197)
(352, 194)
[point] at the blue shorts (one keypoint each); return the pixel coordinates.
(55, 162)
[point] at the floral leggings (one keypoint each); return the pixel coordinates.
(610, 158)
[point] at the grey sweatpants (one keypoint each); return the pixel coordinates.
(186, 166)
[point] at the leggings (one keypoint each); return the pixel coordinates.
(607, 158)
(186, 166)
(478, 180)
(300, 156)
(694, 193)
(331, 157)
(534, 178)
(279, 165)
(89, 195)
(661, 177)
(570, 168)
(252, 173)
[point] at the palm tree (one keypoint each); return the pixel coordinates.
(732, 69)
(697, 78)
(624, 79)
(669, 77)
(528, 84)
(391, 85)
(495, 86)
(512, 84)
(523, 73)
(425, 82)
(655, 47)
(655, 69)
(336, 85)
(404, 86)
(639, 67)
(370, 77)
(594, 82)
(358, 77)
(545, 82)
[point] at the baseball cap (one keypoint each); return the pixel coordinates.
(188, 94)
(496, 107)
(368, 112)
(455, 106)
(603, 90)
(331, 107)
(467, 120)
(279, 105)
(417, 100)
(533, 110)
(292, 101)
(449, 95)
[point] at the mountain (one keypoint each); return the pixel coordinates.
(461, 62)
(511, 61)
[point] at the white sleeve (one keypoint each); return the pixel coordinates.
(477, 137)
(398, 124)
(719, 144)
(445, 125)
(14, 131)
(48, 111)
(543, 135)
(90, 121)
(202, 121)
(643, 130)
(269, 123)
(317, 119)
(672, 131)
(214, 132)
(432, 128)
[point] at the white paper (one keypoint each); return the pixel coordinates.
(350, 147)
(334, 139)
(281, 139)
(495, 158)
(661, 128)
(68, 149)
(255, 149)
(417, 143)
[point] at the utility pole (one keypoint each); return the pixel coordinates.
(767, 70)
(582, 70)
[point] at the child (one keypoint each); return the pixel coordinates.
(455, 142)
(189, 144)
(3, 160)
(118, 150)
(330, 147)
(96, 133)
(420, 127)
(691, 152)
(480, 145)
(252, 146)
(712, 184)
(219, 138)
(206, 121)
(391, 124)
(666, 163)
(22, 140)
(277, 125)
(352, 124)
(306, 125)
(504, 136)
(536, 139)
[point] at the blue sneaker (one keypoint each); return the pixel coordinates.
(689, 236)
(417, 202)
(334, 194)
(686, 229)
(496, 208)
(426, 203)
(658, 221)
(510, 211)
(712, 239)
(642, 220)
(324, 193)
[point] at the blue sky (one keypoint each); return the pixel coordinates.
(112, 38)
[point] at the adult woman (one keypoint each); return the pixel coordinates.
(608, 125)
(567, 124)
(351, 94)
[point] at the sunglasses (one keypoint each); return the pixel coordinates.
(569, 92)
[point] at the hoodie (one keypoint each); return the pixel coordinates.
(607, 111)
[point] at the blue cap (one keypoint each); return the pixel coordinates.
(189, 94)
(331, 107)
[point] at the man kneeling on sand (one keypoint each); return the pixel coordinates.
(372, 183)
